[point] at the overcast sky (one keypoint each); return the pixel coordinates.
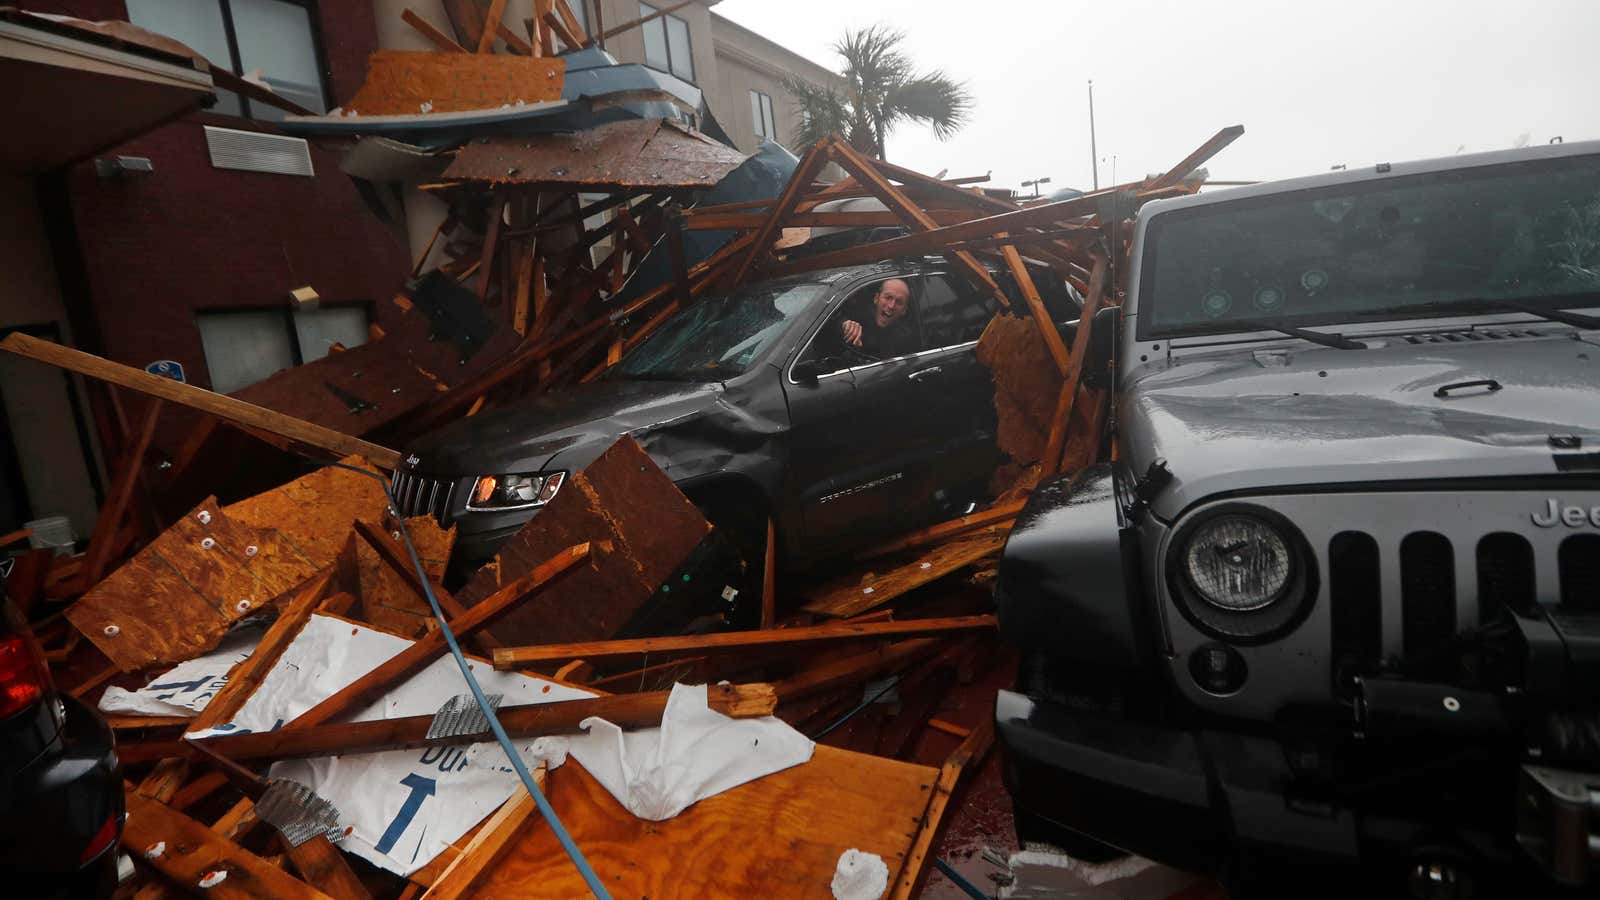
(1314, 85)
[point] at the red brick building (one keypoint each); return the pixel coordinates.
(187, 249)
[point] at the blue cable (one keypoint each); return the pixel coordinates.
(576, 855)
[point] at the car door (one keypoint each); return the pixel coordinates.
(953, 392)
(854, 434)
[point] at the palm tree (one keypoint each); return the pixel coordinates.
(881, 90)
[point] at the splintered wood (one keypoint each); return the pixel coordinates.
(805, 817)
(402, 82)
(641, 528)
(1026, 382)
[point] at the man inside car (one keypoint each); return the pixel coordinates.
(877, 325)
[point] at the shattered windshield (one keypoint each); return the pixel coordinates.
(1424, 245)
(719, 337)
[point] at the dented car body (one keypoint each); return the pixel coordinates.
(751, 404)
(1333, 616)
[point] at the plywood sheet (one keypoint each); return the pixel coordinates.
(405, 82)
(779, 836)
(316, 511)
(622, 500)
(387, 600)
(175, 599)
(638, 153)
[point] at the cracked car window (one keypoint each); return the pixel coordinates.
(719, 337)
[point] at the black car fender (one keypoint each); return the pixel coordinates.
(1068, 584)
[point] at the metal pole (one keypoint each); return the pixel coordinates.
(1094, 155)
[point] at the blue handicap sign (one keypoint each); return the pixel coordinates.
(167, 368)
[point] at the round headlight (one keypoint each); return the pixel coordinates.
(1238, 563)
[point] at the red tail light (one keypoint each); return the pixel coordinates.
(23, 678)
(102, 838)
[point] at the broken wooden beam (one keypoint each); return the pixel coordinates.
(666, 647)
(198, 860)
(429, 647)
(439, 39)
(935, 533)
(739, 701)
(219, 405)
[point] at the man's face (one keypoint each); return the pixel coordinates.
(890, 304)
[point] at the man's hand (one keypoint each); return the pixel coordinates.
(852, 332)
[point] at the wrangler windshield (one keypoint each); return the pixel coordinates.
(1423, 245)
(719, 337)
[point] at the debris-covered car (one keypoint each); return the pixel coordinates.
(61, 809)
(1338, 599)
(753, 403)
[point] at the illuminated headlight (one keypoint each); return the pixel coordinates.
(1241, 573)
(1238, 563)
(500, 492)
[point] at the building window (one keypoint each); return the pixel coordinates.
(761, 115)
(244, 346)
(666, 44)
(274, 37)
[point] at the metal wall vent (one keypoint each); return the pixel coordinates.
(253, 151)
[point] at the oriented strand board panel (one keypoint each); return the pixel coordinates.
(175, 599)
(779, 836)
(315, 512)
(637, 153)
(405, 82)
(1026, 383)
(387, 600)
(623, 499)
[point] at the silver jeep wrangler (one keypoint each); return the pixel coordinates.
(1332, 619)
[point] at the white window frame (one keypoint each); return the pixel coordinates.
(766, 125)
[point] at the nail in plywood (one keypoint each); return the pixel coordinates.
(805, 816)
(316, 511)
(186, 852)
(623, 500)
(402, 82)
(247, 674)
(177, 596)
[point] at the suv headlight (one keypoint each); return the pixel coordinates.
(1237, 562)
(502, 492)
(1241, 573)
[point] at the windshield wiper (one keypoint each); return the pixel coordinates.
(1576, 320)
(1336, 341)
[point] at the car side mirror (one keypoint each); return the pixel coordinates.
(807, 371)
(1102, 353)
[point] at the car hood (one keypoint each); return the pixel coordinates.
(1245, 420)
(527, 435)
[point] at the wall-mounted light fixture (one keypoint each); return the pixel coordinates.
(118, 166)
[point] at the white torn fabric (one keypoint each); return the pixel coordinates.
(185, 689)
(696, 753)
(859, 876)
(402, 807)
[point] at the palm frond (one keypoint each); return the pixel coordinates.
(823, 111)
(935, 99)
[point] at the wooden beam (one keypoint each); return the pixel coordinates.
(438, 38)
(570, 19)
(742, 701)
(935, 533)
(524, 264)
(852, 669)
(491, 240)
(629, 26)
(761, 244)
(491, 25)
(514, 43)
(219, 405)
(667, 647)
(116, 505)
(850, 596)
(1041, 317)
(769, 577)
(246, 676)
(1050, 463)
(1199, 157)
(557, 26)
(200, 861)
(913, 872)
(431, 646)
(487, 846)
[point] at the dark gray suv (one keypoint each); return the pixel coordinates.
(1333, 616)
(753, 405)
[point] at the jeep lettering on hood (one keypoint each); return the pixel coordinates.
(1557, 513)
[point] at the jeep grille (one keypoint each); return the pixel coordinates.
(419, 495)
